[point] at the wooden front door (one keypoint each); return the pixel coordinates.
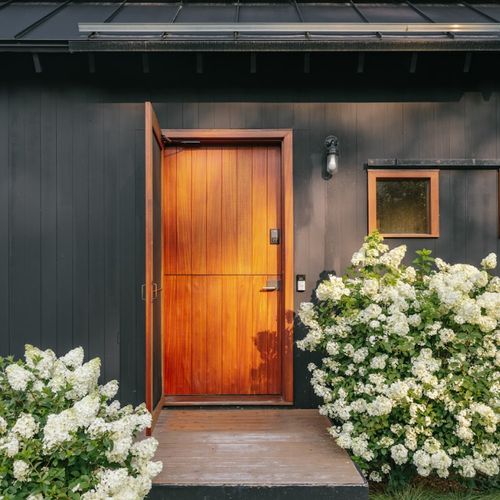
(221, 313)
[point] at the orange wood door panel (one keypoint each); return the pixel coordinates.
(222, 336)
(222, 333)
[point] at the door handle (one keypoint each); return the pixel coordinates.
(271, 285)
(156, 289)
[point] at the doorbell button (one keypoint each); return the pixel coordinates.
(301, 282)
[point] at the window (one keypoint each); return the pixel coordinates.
(404, 203)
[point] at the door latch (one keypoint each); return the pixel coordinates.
(156, 289)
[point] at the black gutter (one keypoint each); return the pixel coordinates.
(372, 45)
(306, 45)
(42, 47)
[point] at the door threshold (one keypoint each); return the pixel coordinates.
(226, 400)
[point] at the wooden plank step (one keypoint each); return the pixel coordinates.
(246, 454)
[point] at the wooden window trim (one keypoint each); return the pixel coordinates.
(284, 137)
(432, 175)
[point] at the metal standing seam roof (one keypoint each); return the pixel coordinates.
(78, 25)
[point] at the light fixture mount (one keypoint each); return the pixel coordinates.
(332, 145)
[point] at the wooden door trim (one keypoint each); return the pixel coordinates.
(226, 135)
(284, 137)
(152, 129)
(148, 181)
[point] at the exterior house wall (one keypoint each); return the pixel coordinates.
(72, 191)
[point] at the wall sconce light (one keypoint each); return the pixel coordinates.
(332, 155)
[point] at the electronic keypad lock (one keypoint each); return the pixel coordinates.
(274, 236)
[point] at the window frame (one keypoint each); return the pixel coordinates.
(432, 175)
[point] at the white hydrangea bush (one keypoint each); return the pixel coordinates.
(62, 436)
(410, 373)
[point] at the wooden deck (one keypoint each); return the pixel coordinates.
(252, 453)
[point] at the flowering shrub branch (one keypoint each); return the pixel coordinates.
(410, 373)
(61, 437)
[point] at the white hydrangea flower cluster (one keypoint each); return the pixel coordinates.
(410, 371)
(61, 435)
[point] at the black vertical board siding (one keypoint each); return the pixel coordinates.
(48, 218)
(138, 343)
(285, 115)
(127, 208)
(457, 250)
(25, 218)
(112, 156)
(97, 233)
(314, 163)
(189, 115)
(497, 135)
(482, 206)
(342, 188)
(65, 220)
(442, 129)
(81, 222)
(16, 215)
(446, 215)
(237, 118)
(482, 214)
(222, 118)
(4, 221)
(72, 221)
(481, 118)
(173, 112)
(270, 116)
(459, 209)
(32, 232)
(336, 187)
(304, 241)
(252, 114)
(419, 141)
(367, 143)
(206, 116)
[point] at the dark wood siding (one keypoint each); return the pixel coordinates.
(72, 191)
(71, 195)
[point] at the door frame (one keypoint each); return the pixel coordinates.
(283, 137)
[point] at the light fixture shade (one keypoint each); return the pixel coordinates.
(332, 163)
(332, 155)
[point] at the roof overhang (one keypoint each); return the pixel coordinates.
(287, 36)
(247, 26)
